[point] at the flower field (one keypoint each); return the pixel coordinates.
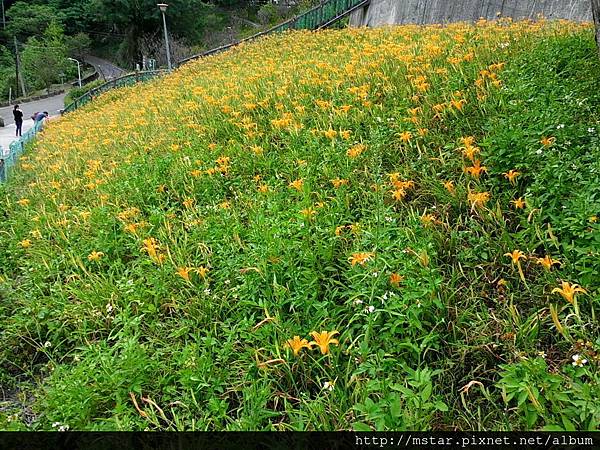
(390, 229)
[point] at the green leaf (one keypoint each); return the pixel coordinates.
(361, 426)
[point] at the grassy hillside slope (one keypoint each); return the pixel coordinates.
(423, 199)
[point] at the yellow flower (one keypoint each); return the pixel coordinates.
(308, 212)
(405, 136)
(95, 256)
(516, 256)
(184, 272)
(356, 150)
(547, 141)
(337, 182)
(476, 170)
(345, 134)
(297, 184)
(449, 185)
(339, 230)
(519, 203)
(297, 344)
(323, 340)
(23, 202)
(512, 175)
(547, 262)
(360, 258)
(568, 291)
(202, 271)
(330, 134)
(151, 247)
(478, 199)
(398, 194)
(396, 279)
(428, 219)
(25, 243)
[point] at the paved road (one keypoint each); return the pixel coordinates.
(7, 134)
(51, 104)
(106, 69)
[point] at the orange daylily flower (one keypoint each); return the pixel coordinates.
(547, 262)
(360, 258)
(396, 279)
(511, 175)
(519, 203)
(323, 340)
(568, 291)
(95, 256)
(297, 344)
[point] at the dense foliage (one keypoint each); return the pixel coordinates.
(370, 229)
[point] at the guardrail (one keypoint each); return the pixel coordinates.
(10, 156)
(126, 80)
(321, 16)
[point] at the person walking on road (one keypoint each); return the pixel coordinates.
(18, 115)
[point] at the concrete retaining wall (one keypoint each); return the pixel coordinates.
(387, 12)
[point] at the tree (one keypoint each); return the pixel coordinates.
(139, 18)
(24, 20)
(7, 72)
(45, 59)
(78, 45)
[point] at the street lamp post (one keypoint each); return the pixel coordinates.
(3, 16)
(78, 69)
(163, 9)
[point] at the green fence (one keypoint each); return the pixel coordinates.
(10, 156)
(126, 80)
(321, 16)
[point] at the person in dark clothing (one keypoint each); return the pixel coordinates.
(18, 115)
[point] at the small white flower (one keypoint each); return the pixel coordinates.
(389, 219)
(539, 152)
(56, 424)
(329, 385)
(503, 44)
(579, 361)
(227, 281)
(369, 309)
(374, 274)
(109, 308)
(207, 291)
(542, 354)
(358, 301)
(591, 130)
(63, 428)
(559, 126)
(47, 344)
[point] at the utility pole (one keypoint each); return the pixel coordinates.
(3, 16)
(596, 15)
(19, 76)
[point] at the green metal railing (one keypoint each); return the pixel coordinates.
(10, 156)
(126, 80)
(321, 16)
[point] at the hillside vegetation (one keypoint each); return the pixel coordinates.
(373, 229)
